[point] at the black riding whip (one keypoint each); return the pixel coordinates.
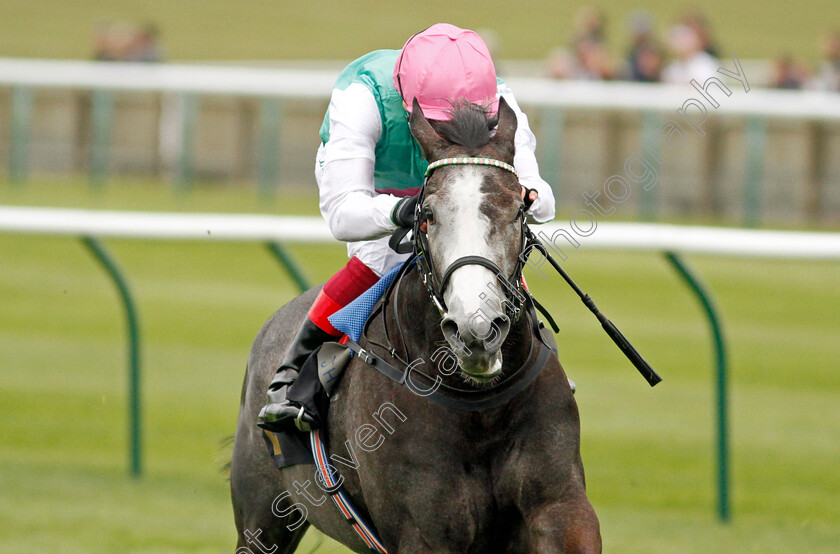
(619, 339)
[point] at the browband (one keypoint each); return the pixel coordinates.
(470, 161)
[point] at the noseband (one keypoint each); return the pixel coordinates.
(436, 285)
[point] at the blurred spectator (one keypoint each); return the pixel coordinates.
(102, 42)
(691, 60)
(644, 61)
(588, 58)
(700, 24)
(560, 63)
(589, 61)
(592, 61)
(590, 26)
(787, 73)
(145, 46)
(647, 64)
(828, 73)
(126, 42)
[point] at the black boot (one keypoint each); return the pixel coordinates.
(280, 413)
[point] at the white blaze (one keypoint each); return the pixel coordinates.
(467, 231)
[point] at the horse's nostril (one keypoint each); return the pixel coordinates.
(500, 327)
(449, 328)
(452, 334)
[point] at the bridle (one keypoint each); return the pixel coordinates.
(518, 302)
(436, 284)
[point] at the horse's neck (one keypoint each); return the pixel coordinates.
(419, 325)
(413, 321)
(517, 345)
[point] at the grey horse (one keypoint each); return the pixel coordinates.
(431, 478)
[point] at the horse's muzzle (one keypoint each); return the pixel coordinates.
(476, 343)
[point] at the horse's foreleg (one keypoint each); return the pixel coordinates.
(569, 525)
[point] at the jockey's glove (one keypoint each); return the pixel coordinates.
(403, 214)
(526, 198)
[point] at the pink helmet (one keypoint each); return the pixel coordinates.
(444, 64)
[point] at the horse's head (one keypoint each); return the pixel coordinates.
(472, 231)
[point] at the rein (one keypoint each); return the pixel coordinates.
(517, 298)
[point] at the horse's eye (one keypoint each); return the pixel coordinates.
(429, 214)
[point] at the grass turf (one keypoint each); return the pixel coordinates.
(332, 29)
(648, 453)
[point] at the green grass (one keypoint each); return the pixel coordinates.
(648, 453)
(332, 29)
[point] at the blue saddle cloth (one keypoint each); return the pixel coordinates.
(292, 447)
(351, 319)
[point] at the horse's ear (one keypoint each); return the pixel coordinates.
(506, 131)
(430, 142)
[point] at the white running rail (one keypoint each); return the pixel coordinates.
(220, 80)
(308, 229)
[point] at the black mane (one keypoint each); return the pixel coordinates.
(469, 127)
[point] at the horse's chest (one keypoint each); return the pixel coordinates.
(455, 503)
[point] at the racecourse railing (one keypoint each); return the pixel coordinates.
(549, 98)
(275, 231)
(266, 82)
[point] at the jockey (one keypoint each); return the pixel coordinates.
(369, 171)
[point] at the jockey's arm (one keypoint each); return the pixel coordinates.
(348, 201)
(525, 162)
(344, 171)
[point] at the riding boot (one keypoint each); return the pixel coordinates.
(280, 413)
